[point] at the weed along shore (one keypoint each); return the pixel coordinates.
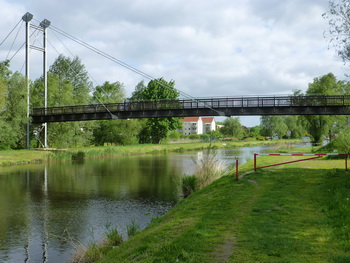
(298, 212)
(20, 157)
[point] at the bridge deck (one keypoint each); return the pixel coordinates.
(235, 106)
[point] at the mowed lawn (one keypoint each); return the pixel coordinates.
(292, 213)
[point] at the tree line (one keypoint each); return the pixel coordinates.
(69, 84)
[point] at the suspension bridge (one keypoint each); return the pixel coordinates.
(228, 106)
(224, 106)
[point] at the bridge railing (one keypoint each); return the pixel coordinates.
(214, 103)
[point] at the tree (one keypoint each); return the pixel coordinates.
(13, 108)
(109, 93)
(72, 71)
(342, 142)
(339, 27)
(232, 128)
(295, 126)
(320, 125)
(270, 125)
(68, 84)
(255, 131)
(156, 129)
(114, 131)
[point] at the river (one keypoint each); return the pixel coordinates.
(47, 210)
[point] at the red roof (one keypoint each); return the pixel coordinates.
(190, 119)
(208, 120)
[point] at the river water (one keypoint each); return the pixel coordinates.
(47, 210)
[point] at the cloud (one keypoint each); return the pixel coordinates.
(210, 48)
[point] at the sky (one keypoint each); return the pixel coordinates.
(220, 48)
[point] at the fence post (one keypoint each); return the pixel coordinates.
(346, 162)
(236, 168)
(255, 154)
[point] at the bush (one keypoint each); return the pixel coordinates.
(209, 168)
(132, 228)
(113, 238)
(188, 184)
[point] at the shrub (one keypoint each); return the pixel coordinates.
(188, 184)
(132, 228)
(113, 238)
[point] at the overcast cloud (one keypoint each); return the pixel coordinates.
(210, 48)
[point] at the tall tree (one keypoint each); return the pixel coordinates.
(114, 131)
(232, 127)
(13, 108)
(270, 125)
(72, 71)
(156, 129)
(322, 125)
(68, 84)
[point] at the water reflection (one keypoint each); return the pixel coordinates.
(47, 209)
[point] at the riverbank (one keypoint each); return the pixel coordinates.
(19, 157)
(292, 213)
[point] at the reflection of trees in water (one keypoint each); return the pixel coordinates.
(38, 207)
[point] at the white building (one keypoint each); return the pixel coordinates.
(197, 125)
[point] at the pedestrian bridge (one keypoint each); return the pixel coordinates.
(224, 106)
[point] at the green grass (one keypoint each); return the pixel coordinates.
(288, 214)
(17, 157)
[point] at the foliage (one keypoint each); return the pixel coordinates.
(342, 142)
(188, 185)
(113, 237)
(255, 131)
(156, 129)
(132, 228)
(339, 27)
(232, 128)
(13, 108)
(271, 125)
(69, 84)
(321, 125)
(109, 93)
(208, 169)
(122, 132)
(73, 72)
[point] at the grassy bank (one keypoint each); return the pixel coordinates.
(17, 157)
(292, 213)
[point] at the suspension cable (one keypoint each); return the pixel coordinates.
(125, 65)
(11, 32)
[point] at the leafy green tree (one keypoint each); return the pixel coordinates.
(109, 93)
(156, 129)
(342, 142)
(13, 108)
(255, 131)
(295, 126)
(114, 131)
(73, 72)
(321, 125)
(232, 128)
(68, 84)
(270, 125)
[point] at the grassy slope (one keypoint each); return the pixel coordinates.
(292, 214)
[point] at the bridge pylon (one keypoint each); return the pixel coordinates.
(41, 28)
